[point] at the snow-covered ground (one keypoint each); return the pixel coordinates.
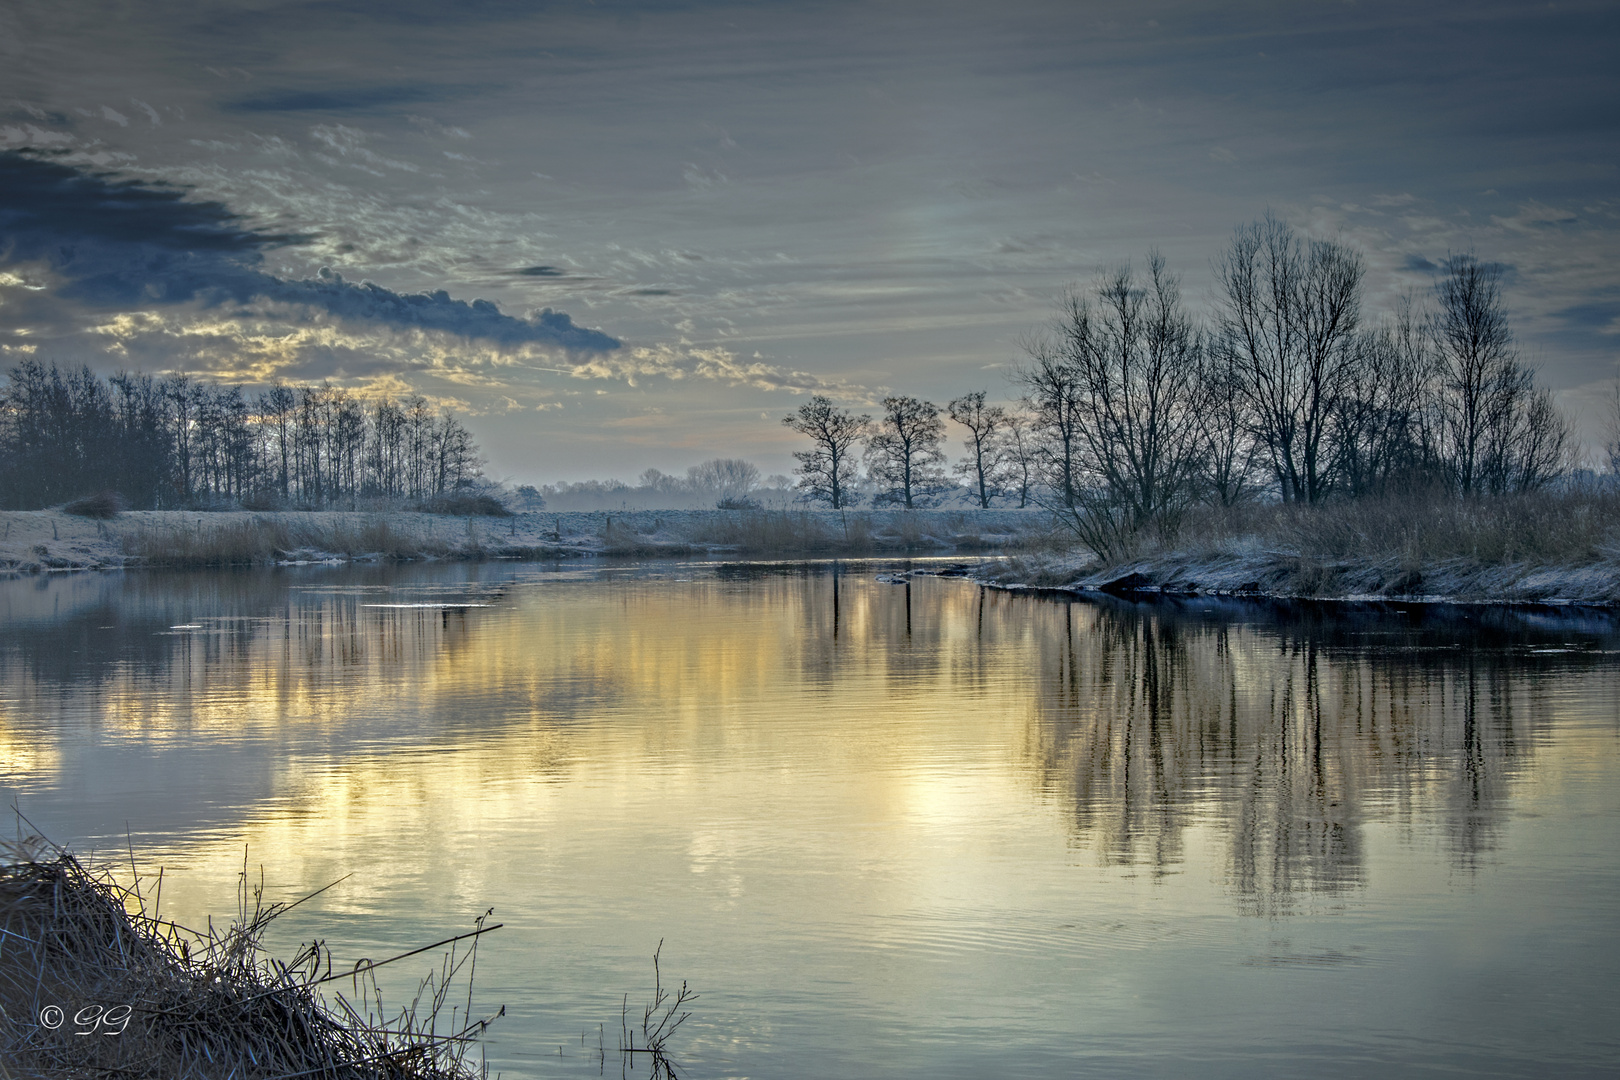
(1249, 570)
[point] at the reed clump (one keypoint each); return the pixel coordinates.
(94, 983)
(262, 540)
(1557, 546)
(1570, 528)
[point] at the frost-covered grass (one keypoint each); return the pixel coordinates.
(1563, 528)
(1540, 547)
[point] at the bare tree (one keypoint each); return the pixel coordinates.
(1139, 359)
(1289, 309)
(828, 468)
(1540, 444)
(1133, 357)
(1611, 447)
(1226, 428)
(1385, 418)
(139, 468)
(903, 456)
(184, 442)
(1051, 393)
(1499, 432)
(276, 407)
(1018, 459)
(183, 399)
(726, 481)
(1481, 378)
(984, 423)
(54, 433)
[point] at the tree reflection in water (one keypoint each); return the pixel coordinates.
(1286, 728)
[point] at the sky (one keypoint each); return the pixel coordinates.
(621, 235)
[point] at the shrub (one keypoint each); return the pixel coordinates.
(465, 505)
(103, 504)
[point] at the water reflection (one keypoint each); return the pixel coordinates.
(1289, 728)
(844, 801)
(1285, 729)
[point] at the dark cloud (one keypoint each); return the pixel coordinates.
(437, 311)
(118, 242)
(1421, 264)
(1597, 314)
(47, 202)
(346, 99)
(541, 271)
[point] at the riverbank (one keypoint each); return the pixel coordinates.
(37, 541)
(1542, 548)
(1287, 575)
(1535, 549)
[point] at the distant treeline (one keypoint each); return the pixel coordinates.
(726, 483)
(1132, 408)
(181, 442)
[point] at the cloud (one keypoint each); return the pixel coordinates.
(1421, 264)
(345, 99)
(716, 364)
(1534, 216)
(43, 202)
(1596, 316)
(350, 142)
(437, 311)
(262, 345)
(432, 127)
(117, 243)
(14, 135)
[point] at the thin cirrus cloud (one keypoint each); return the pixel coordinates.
(117, 242)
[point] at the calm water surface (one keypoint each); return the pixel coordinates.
(883, 830)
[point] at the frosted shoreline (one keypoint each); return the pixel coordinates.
(1283, 575)
(40, 541)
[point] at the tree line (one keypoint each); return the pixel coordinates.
(720, 483)
(182, 442)
(1131, 408)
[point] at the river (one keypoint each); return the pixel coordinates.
(907, 830)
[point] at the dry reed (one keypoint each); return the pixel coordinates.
(94, 983)
(260, 541)
(1569, 528)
